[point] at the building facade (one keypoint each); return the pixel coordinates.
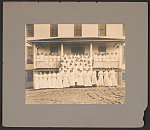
(76, 39)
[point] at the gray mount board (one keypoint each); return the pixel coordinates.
(18, 114)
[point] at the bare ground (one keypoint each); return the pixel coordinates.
(93, 95)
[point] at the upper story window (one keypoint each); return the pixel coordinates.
(123, 29)
(30, 30)
(29, 55)
(77, 50)
(77, 30)
(54, 49)
(102, 30)
(102, 48)
(54, 30)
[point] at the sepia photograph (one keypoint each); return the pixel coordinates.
(75, 64)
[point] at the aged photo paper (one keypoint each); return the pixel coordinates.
(75, 64)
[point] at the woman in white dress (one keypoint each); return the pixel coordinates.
(37, 60)
(94, 78)
(104, 61)
(80, 82)
(72, 78)
(100, 79)
(42, 84)
(106, 79)
(40, 80)
(89, 81)
(59, 80)
(36, 81)
(42, 60)
(49, 80)
(116, 57)
(44, 77)
(85, 82)
(65, 79)
(76, 75)
(53, 80)
(113, 78)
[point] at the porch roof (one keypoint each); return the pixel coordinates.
(75, 40)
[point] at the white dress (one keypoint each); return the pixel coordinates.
(72, 79)
(65, 80)
(42, 85)
(53, 80)
(49, 81)
(87, 80)
(36, 81)
(42, 61)
(106, 79)
(113, 78)
(94, 78)
(100, 78)
(80, 79)
(44, 81)
(59, 81)
(40, 80)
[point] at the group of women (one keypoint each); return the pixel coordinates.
(105, 60)
(45, 60)
(76, 62)
(74, 78)
(103, 56)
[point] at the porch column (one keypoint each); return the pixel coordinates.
(34, 56)
(91, 52)
(91, 49)
(120, 56)
(62, 50)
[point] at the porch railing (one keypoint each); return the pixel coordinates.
(105, 64)
(50, 64)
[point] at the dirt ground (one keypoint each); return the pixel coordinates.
(93, 95)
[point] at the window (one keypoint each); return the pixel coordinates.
(29, 76)
(76, 50)
(102, 30)
(123, 55)
(123, 29)
(77, 30)
(54, 50)
(123, 75)
(30, 30)
(102, 48)
(54, 30)
(29, 55)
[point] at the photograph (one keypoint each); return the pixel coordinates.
(75, 64)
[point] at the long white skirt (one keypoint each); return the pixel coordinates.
(72, 80)
(113, 80)
(107, 81)
(53, 82)
(65, 82)
(87, 81)
(80, 81)
(49, 83)
(36, 83)
(94, 79)
(100, 81)
(59, 83)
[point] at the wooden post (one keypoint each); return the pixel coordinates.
(120, 56)
(91, 51)
(62, 50)
(34, 56)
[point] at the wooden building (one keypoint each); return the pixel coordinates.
(74, 38)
